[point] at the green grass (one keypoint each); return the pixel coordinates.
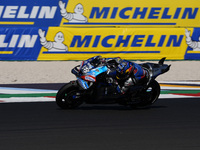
(27, 95)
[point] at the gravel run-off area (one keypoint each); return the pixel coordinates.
(17, 72)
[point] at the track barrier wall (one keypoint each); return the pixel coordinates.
(78, 29)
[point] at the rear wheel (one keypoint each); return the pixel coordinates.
(149, 95)
(68, 97)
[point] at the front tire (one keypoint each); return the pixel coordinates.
(68, 97)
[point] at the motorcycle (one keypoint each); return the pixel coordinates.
(92, 86)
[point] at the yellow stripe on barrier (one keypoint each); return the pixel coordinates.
(192, 52)
(18, 23)
(6, 52)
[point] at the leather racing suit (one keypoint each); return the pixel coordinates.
(126, 73)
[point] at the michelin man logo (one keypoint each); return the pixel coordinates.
(76, 17)
(193, 44)
(56, 46)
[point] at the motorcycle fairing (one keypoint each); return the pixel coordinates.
(89, 78)
(92, 74)
(83, 83)
(156, 69)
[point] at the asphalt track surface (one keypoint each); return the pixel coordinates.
(169, 124)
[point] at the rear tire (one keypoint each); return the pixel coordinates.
(66, 97)
(148, 96)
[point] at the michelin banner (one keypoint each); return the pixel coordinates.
(142, 13)
(132, 13)
(61, 43)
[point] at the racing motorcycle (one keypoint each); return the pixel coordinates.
(92, 86)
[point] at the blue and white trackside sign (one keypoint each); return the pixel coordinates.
(30, 13)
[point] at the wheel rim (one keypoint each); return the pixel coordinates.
(152, 93)
(70, 99)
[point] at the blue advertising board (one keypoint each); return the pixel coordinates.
(30, 13)
(19, 43)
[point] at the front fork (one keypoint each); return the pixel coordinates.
(81, 92)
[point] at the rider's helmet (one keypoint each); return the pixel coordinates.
(124, 69)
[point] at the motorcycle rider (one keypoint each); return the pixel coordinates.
(127, 74)
(121, 72)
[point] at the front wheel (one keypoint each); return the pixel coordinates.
(68, 97)
(149, 95)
